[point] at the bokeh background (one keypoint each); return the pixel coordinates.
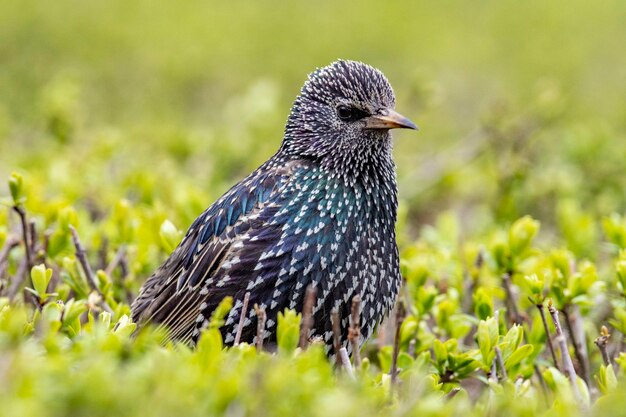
(127, 118)
(164, 104)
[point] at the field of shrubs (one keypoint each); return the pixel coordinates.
(120, 122)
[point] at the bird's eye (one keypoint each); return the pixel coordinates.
(350, 114)
(345, 113)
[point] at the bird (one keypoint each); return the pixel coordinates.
(320, 213)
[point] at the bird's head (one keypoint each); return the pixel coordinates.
(343, 110)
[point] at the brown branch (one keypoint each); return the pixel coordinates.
(354, 333)
(500, 362)
(116, 261)
(568, 365)
(18, 279)
(577, 336)
(542, 313)
(412, 348)
(260, 326)
(11, 243)
(81, 254)
(336, 323)
(32, 227)
(400, 314)
(43, 250)
(242, 318)
(307, 316)
(513, 312)
(453, 392)
(22, 214)
(602, 342)
(103, 250)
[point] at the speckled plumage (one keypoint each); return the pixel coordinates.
(321, 211)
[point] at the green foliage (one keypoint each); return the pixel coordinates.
(129, 130)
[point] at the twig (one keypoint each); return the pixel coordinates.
(453, 392)
(513, 312)
(32, 227)
(335, 321)
(18, 279)
(568, 365)
(578, 340)
(542, 313)
(116, 261)
(601, 342)
(307, 316)
(11, 243)
(43, 250)
(102, 253)
(345, 361)
(261, 317)
(242, 318)
(500, 361)
(22, 214)
(493, 372)
(412, 346)
(354, 333)
(81, 254)
(400, 314)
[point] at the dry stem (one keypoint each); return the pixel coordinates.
(568, 365)
(260, 326)
(242, 318)
(542, 313)
(354, 334)
(602, 342)
(336, 323)
(400, 314)
(81, 254)
(307, 316)
(345, 361)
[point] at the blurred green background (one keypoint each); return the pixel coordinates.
(520, 104)
(121, 115)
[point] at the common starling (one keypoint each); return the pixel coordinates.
(321, 212)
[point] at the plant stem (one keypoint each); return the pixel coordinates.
(81, 254)
(501, 363)
(11, 243)
(260, 327)
(542, 313)
(400, 314)
(513, 313)
(602, 342)
(345, 361)
(335, 321)
(22, 214)
(577, 337)
(568, 365)
(354, 334)
(242, 318)
(307, 316)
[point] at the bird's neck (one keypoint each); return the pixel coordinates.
(368, 169)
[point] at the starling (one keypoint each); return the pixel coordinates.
(321, 212)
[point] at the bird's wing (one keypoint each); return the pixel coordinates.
(174, 295)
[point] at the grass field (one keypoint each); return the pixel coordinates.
(125, 119)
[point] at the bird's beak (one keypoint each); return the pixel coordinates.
(388, 119)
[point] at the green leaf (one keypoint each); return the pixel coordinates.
(170, 236)
(288, 331)
(16, 187)
(521, 234)
(40, 276)
(518, 355)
